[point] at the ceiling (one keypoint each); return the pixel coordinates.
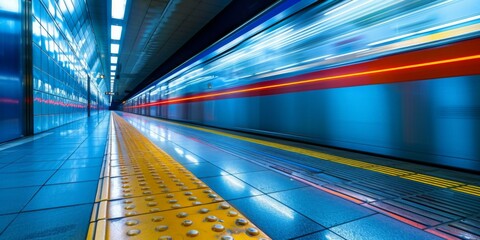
(155, 29)
(159, 35)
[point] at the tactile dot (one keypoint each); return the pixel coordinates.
(192, 198)
(131, 222)
(149, 198)
(133, 232)
(252, 231)
(165, 238)
(169, 195)
(241, 221)
(172, 201)
(151, 204)
(232, 213)
(211, 195)
(182, 214)
(196, 203)
(176, 205)
(218, 228)
(192, 233)
(130, 213)
(128, 201)
(188, 193)
(224, 206)
(184, 188)
(203, 210)
(157, 219)
(217, 199)
(207, 191)
(152, 210)
(187, 223)
(211, 218)
(127, 195)
(226, 238)
(161, 228)
(130, 207)
(147, 192)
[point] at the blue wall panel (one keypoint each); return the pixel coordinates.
(11, 91)
(64, 59)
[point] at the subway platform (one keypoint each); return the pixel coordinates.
(125, 176)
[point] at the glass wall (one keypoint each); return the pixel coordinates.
(11, 89)
(64, 62)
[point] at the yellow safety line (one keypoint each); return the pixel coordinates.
(413, 176)
(146, 194)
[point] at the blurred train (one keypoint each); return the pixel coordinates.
(389, 77)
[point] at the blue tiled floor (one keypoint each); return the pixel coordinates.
(13, 200)
(238, 166)
(82, 163)
(381, 227)
(63, 195)
(31, 166)
(204, 169)
(230, 187)
(277, 220)
(44, 189)
(322, 235)
(23, 179)
(5, 220)
(75, 175)
(269, 181)
(58, 223)
(322, 207)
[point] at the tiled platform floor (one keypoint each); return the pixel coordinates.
(282, 207)
(48, 185)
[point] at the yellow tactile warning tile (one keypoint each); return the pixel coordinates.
(435, 181)
(426, 179)
(391, 171)
(161, 202)
(470, 189)
(146, 194)
(210, 221)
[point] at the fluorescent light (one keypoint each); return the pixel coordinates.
(114, 47)
(118, 9)
(113, 60)
(116, 32)
(10, 6)
(113, 67)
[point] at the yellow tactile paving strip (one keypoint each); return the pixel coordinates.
(146, 194)
(430, 180)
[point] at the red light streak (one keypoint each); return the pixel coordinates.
(336, 77)
(59, 103)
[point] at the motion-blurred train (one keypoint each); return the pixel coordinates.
(389, 77)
